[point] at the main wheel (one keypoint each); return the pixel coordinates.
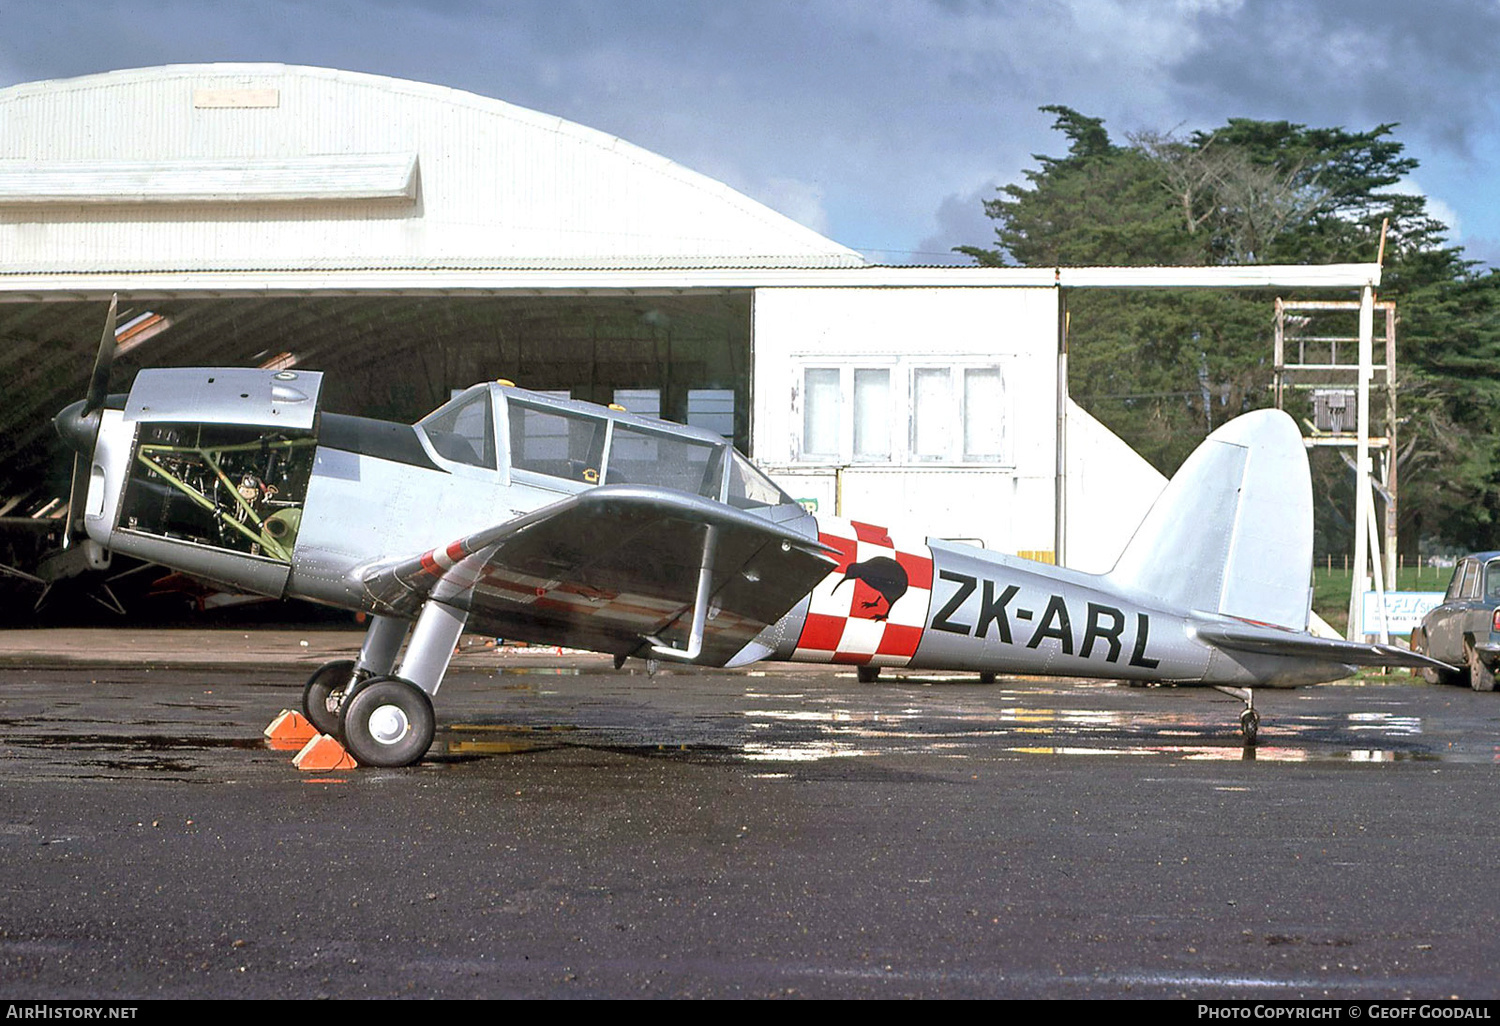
(323, 693)
(867, 674)
(388, 722)
(1481, 674)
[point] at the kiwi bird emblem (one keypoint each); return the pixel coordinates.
(885, 576)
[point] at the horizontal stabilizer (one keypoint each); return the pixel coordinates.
(1274, 641)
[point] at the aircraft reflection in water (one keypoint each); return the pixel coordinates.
(561, 522)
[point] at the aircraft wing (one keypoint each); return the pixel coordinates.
(616, 569)
(1277, 641)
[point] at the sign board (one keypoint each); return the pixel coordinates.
(1403, 610)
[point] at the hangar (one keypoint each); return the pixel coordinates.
(410, 239)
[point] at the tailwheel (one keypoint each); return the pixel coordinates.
(323, 693)
(1249, 718)
(388, 722)
(867, 674)
(1249, 725)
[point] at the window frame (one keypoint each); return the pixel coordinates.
(901, 394)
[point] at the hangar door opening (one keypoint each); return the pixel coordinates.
(682, 357)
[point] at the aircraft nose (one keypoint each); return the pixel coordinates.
(77, 428)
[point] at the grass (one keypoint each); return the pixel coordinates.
(1331, 589)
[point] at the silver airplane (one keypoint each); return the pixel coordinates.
(561, 522)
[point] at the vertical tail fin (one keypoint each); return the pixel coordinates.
(1232, 532)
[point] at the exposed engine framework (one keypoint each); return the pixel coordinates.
(229, 487)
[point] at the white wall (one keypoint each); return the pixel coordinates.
(1005, 500)
(1004, 503)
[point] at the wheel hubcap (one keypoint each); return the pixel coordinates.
(389, 724)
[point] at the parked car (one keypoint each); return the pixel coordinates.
(1465, 629)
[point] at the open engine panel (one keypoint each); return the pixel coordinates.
(232, 487)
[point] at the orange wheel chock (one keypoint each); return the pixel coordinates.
(289, 731)
(324, 753)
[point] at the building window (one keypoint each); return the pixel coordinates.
(872, 413)
(931, 413)
(822, 410)
(984, 413)
(900, 413)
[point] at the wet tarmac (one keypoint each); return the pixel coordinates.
(785, 831)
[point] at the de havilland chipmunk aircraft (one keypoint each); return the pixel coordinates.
(562, 522)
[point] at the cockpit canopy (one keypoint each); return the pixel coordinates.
(543, 440)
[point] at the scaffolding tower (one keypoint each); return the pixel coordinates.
(1340, 388)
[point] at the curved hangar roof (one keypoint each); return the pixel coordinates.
(273, 167)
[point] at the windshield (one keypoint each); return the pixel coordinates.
(463, 429)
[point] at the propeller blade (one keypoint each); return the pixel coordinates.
(78, 494)
(99, 381)
(93, 402)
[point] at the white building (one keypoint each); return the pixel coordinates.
(410, 239)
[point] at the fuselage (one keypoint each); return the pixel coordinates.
(281, 500)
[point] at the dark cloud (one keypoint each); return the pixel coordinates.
(1430, 66)
(871, 121)
(961, 221)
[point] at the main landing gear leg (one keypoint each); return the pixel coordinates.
(388, 720)
(327, 688)
(1249, 718)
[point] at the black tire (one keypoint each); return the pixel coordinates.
(1250, 725)
(1430, 674)
(867, 674)
(987, 678)
(388, 722)
(1481, 674)
(327, 679)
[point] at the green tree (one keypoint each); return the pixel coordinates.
(1162, 369)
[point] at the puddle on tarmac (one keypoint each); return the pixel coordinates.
(767, 730)
(131, 742)
(131, 753)
(814, 729)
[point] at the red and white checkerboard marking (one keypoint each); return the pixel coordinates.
(849, 621)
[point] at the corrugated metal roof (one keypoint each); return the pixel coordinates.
(498, 185)
(457, 277)
(346, 177)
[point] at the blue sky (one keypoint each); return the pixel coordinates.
(881, 123)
